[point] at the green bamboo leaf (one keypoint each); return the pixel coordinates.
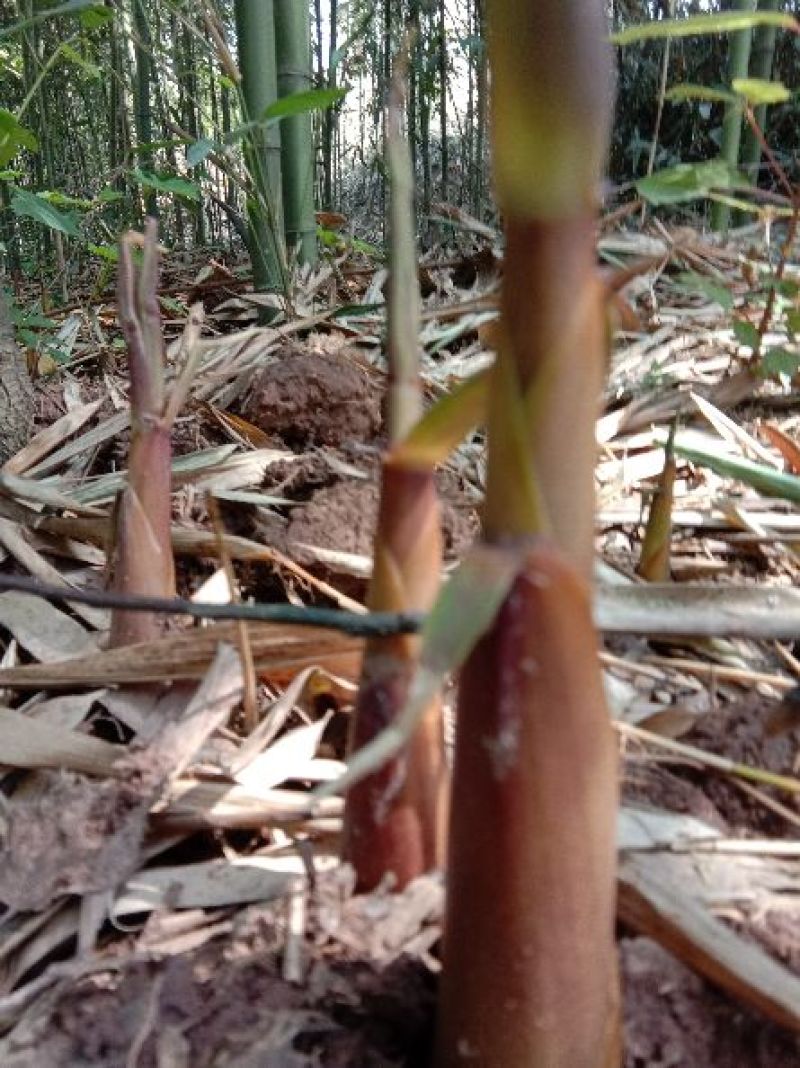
(464, 611)
(109, 195)
(238, 133)
(688, 181)
(64, 200)
(300, 103)
(691, 282)
(738, 204)
(84, 7)
(760, 91)
(72, 55)
(93, 16)
(13, 137)
(166, 183)
(444, 426)
(793, 322)
(365, 247)
(110, 253)
(779, 361)
(688, 91)
(198, 150)
(746, 333)
(787, 287)
(698, 25)
(357, 311)
(766, 480)
(339, 54)
(33, 206)
(33, 320)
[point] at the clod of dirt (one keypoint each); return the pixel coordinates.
(343, 516)
(659, 787)
(307, 398)
(739, 732)
(75, 836)
(675, 1020)
(226, 1003)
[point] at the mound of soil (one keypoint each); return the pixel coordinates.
(343, 516)
(309, 398)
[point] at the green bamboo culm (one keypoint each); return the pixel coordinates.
(738, 65)
(549, 148)
(142, 94)
(292, 40)
(255, 32)
(762, 58)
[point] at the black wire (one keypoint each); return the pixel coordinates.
(369, 625)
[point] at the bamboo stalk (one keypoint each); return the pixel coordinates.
(529, 960)
(528, 949)
(395, 818)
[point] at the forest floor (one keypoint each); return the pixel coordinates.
(168, 902)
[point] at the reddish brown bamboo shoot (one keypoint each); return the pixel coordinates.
(395, 819)
(143, 551)
(142, 555)
(529, 938)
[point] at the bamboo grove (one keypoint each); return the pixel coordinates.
(112, 110)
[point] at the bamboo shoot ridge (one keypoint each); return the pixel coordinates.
(553, 347)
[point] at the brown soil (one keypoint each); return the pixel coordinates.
(738, 731)
(675, 1020)
(217, 1010)
(342, 516)
(307, 398)
(360, 1003)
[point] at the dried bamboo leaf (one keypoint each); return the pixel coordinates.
(287, 758)
(26, 742)
(210, 884)
(279, 652)
(786, 446)
(29, 489)
(46, 440)
(661, 897)
(698, 611)
(730, 431)
(192, 805)
(648, 828)
(46, 632)
(184, 469)
(61, 924)
(110, 428)
(13, 538)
